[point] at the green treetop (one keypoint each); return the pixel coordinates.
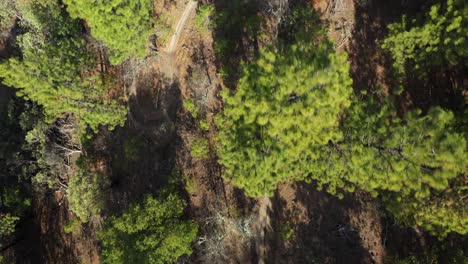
(438, 38)
(440, 213)
(86, 194)
(412, 155)
(49, 71)
(151, 232)
(123, 25)
(416, 164)
(287, 105)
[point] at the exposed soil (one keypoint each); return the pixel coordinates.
(326, 229)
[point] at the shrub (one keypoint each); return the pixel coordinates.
(190, 184)
(204, 126)
(190, 106)
(72, 227)
(286, 231)
(85, 194)
(203, 20)
(200, 148)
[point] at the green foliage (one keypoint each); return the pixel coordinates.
(132, 147)
(53, 57)
(124, 26)
(415, 163)
(151, 232)
(286, 231)
(438, 38)
(440, 213)
(85, 194)
(203, 18)
(286, 107)
(72, 227)
(410, 156)
(163, 29)
(204, 126)
(7, 224)
(7, 13)
(190, 106)
(12, 197)
(431, 255)
(190, 184)
(200, 148)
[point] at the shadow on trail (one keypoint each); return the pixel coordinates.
(142, 153)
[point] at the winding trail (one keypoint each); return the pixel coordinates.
(168, 58)
(180, 26)
(166, 64)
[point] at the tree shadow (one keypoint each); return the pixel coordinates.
(52, 217)
(237, 26)
(323, 232)
(403, 242)
(370, 66)
(141, 155)
(8, 36)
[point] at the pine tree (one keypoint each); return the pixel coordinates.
(49, 70)
(440, 213)
(151, 232)
(438, 39)
(124, 26)
(413, 155)
(417, 164)
(85, 194)
(286, 107)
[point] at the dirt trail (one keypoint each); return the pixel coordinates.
(144, 106)
(166, 56)
(263, 227)
(180, 26)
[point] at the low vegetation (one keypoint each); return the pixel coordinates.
(72, 227)
(200, 148)
(190, 185)
(204, 18)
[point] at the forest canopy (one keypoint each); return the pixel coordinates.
(286, 107)
(49, 71)
(256, 139)
(123, 26)
(293, 117)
